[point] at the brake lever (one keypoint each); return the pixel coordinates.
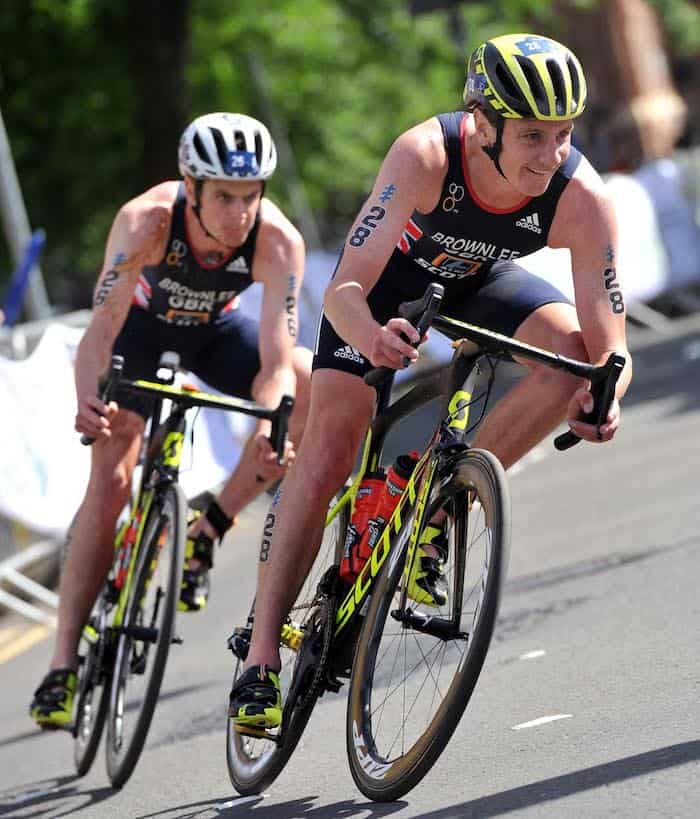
(420, 313)
(603, 392)
(116, 368)
(280, 425)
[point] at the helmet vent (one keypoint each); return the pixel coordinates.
(258, 148)
(557, 78)
(239, 139)
(535, 84)
(575, 84)
(201, 150)
(220, 143)
(506, 82)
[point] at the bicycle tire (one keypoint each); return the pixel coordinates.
(93, 693)
(253, 764)
(387, 764)
(152, 604)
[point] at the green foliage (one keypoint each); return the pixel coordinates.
(339, 79)
(342, 80)
(66, 108)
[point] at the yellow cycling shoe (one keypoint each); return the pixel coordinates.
(256, 699)
(426, 581)
(52, 706)
(194, 588)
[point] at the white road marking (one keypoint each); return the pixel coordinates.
(241, 800)
(541, 721)
(691, 351)
(532, 655)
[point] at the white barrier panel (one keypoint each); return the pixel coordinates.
(43, 467)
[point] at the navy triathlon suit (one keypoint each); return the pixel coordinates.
(469, 248)
(187, 306)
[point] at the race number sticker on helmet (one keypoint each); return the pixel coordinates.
(242, 163)
(227, 146)
(532, 44)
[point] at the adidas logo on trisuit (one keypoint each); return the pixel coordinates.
(531, 222)
(350, 353)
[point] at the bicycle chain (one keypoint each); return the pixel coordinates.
(318, 626)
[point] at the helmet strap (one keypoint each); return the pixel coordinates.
(494, 151)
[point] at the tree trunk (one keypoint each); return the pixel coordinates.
(158, 43)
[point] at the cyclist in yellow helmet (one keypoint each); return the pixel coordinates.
(458, 199)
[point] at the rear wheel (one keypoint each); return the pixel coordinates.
(416, 666)
(146, 633)
(253, 764)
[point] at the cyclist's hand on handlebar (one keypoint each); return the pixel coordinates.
(582, 401)
(390, 345)
(266, 466)
(94, 417)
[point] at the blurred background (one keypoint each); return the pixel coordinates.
(94, 96)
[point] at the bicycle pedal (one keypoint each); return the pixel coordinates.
(291, 636)
(176, 639)
(256, 733)
(239, 642)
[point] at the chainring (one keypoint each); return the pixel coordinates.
(310, 666)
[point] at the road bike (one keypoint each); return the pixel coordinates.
(125, 644)
(412, 669)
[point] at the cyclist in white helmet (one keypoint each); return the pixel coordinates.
(177, 258)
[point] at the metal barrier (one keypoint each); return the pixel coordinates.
(11, 574)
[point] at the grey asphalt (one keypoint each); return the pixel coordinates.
(588, 702)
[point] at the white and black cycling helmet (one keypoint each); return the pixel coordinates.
(227, 146)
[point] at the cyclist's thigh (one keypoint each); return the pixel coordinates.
(341, 409)
(507, 296)
(142, 340)
(230, 360)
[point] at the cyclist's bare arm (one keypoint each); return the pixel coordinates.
(137, 238)
(585, 223)
(409, 179)
(279, 265)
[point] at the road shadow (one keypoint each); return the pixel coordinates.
(40, 799)
(559, 787)
(31, 734)
(255, 808)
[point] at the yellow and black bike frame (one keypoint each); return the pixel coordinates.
(162, 463)
(456, 383)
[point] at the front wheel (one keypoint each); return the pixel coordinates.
(253, 764)
(416, 667)
(146, 632)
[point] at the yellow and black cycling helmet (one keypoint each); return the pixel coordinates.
(526, 76)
